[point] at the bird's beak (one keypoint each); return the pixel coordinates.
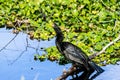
(54, 25)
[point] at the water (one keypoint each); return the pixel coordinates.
(16, 65)
(112, 72)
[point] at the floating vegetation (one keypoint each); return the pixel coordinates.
(88, 24)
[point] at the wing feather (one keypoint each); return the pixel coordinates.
(74, 53)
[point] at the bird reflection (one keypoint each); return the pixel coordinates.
(85, 76)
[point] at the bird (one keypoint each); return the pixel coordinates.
(73, 53)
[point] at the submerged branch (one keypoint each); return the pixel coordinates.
(26, 48)
(8, 42)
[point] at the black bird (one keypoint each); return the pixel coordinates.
(74, 53)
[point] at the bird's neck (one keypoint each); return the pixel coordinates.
(59, 38)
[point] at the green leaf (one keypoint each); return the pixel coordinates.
(98, 46)
(110, 49)
(86, 1)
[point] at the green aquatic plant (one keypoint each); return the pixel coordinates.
(90, 24)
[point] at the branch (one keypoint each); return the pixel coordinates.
(107, 6)
(72, 71)
(9, 42)
(103, 50)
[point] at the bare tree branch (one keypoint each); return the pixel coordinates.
(71, 71)
(103, 50)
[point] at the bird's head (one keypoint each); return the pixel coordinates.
(57, 29)
(59, 34)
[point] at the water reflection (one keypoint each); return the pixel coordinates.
(17, 66)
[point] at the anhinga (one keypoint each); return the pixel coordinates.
(74, 53)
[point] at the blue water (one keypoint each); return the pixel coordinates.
(17, 66)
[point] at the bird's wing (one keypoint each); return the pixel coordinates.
(75, 53)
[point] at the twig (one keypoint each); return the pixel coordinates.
(9, 42)
(107, 6)
(103, 50)
(22, 21)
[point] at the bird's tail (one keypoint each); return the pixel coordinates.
(96, 67)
